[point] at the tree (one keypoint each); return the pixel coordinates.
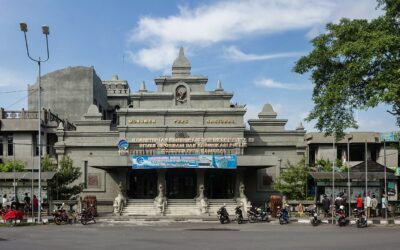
(61, 185)
(355, 64)
(293, 180)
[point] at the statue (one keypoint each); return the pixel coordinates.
(120, 200)
(161, 201)
(242, 200)
(202, 201)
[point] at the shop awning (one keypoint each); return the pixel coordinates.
(353, 175)
(26, 175)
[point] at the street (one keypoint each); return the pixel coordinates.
(196, 235)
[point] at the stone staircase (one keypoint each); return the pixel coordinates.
(215, 204)
(181, 207)
(140, 207)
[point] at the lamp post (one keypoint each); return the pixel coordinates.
(349, 138)
(46, 32)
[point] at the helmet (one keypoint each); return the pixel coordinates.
(341, 207)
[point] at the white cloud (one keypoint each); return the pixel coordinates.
(235, 54)
(270, 83)
(226, 20)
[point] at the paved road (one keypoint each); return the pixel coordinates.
(210, 235)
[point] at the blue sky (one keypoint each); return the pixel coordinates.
(251, 46)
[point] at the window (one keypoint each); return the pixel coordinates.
(10, 145)
(1, 145)
(35, 146)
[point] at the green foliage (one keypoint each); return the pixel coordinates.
(323, 165)
(9, 166)
(48, 164)
(354, 65)
(293, 180)
(61, 187)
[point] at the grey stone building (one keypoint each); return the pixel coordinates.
(181, 146)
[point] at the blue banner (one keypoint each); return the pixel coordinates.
(184, 161)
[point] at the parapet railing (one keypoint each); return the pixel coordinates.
(47, 116)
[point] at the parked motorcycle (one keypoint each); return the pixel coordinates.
(283, 216)
(60, 216)
(239, 215)
(341, 217)
(87, 215)
(361, 218)
(314, 216)
(257, 215)
(223, 215)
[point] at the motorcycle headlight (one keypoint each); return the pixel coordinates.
(315, 214)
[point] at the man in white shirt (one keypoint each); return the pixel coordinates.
(368, 205)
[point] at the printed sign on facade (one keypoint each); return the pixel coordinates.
(184, 161)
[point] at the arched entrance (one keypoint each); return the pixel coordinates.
(181, 183)
(219, 183)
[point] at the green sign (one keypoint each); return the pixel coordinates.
(389, 136)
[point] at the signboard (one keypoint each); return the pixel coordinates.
(389, 136)
(184, 161)
(392, 191)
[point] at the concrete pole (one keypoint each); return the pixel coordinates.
(348, 176)
(366, 174)
(384, 159)
(333, 176)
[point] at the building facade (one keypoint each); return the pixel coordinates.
(182, 144)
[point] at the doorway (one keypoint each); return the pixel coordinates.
(142, 184)
(181, 183)
(219, 183)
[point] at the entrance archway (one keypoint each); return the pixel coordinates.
(142, 184)
(181, 183)
(219, 183)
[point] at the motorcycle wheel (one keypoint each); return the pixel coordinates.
(221, 220)
(252, 219)
(281, 221)
(83, 221)
(57, 220)
(239, 220)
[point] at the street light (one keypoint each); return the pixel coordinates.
(46, 32)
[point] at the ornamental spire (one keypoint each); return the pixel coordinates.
(181, 65)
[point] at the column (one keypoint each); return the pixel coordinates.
(239, 180)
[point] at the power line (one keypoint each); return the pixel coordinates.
(13, 91)
(21, 99)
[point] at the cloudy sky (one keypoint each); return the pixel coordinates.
(251, 46)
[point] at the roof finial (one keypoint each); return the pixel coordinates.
(142, 87)
(181, 65)
(219, 86)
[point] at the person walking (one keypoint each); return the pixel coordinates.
(35, 203)
(338, 202)
(326, 203)
(374, 206)
(368, 205)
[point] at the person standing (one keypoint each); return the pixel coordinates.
(359, 202)
(27, 203)
(374, 206)
(368, 205)
(383, 205)
(5, 201)
(35, 203)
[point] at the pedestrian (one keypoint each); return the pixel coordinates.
(35, 203)
(383, 205)
(5, 201)
(359, 204)
(338, 202)
(368, 205)
(374, 206)
(300, 209)
(326, 203)
(27, 203)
